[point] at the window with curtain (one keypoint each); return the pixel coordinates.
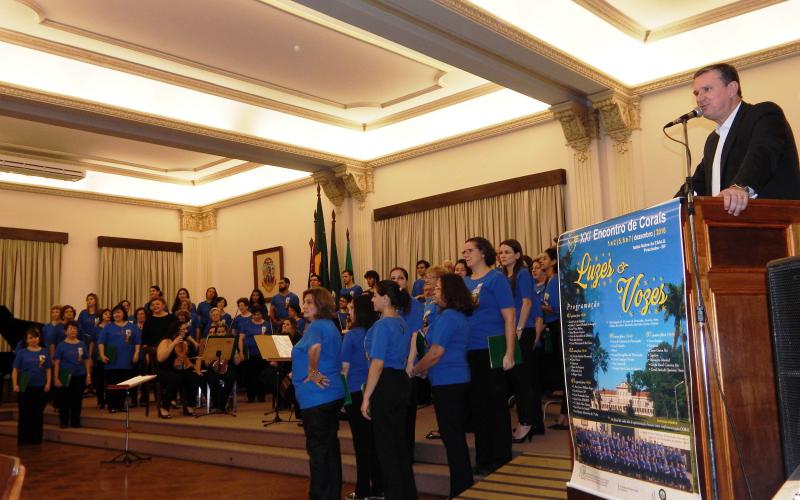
(30, 273)
(128, 268)
(531, 210)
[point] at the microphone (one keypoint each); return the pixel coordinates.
(698, 111)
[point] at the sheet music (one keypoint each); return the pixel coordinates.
(284, 345)
(137, 380)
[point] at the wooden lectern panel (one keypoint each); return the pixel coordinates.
(732, 255)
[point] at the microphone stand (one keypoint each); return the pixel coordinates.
(700, 317)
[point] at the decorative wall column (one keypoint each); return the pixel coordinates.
(198, 235)
(333, 187)
(619, 115)
(580, 128)
(358, 182)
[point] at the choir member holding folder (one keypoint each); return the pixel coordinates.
(319, 389)
(493, 316)
(355, 367)
(71, 369)
(119, 346)
(446, 365)
(387, 391)
(30, 378)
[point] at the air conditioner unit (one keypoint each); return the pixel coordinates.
(25, 168)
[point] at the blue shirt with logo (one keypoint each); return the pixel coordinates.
(34, 364)
(281, 303)
(124, 340)
(491, 294)
(525, 289)
(71, 358)
(250, 330)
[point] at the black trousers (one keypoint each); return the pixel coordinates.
(99, 381)
(527, 384)
(70, 400)
(491, 420)
(221, 386)
(254, 377)
(389, 407)
(31, 405)
(368, 471)
(174, 382)
(116, 399)
(555, 362)
(450, 403)
(320, 424)
(411, 416)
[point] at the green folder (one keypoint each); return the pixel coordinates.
(497, 349)
(22, 380)
(421, 344)
(111, 353)
(348, 399)
(64, 376)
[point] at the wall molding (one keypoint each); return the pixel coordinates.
(534, 181)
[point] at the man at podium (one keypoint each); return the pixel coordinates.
(752, 153)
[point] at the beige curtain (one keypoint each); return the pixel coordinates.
(31, 271)
(127, 273)
(533, 217)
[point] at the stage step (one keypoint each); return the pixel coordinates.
(529, 475)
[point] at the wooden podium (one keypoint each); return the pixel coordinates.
(732, 256)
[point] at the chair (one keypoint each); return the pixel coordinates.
(12, 474)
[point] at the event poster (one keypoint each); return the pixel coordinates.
(623, 317)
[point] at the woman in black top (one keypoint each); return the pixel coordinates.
(176, 372)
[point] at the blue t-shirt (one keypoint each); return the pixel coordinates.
(250, 330)
(58, 334)
(86, 323)
(238, 321)
(301, 325)
(450, 331)
(353, 353)
(525, 290)
(491, 293)
(354, 291)
(414, 316)
(552, 298)
(309, 395)
(48, 335)
(281, 304)
(389, 341)
(34, 364)
(71, 357)
(430, 311)
(203, 310)
(124, 340)
(417, 288)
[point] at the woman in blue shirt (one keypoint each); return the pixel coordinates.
(527, 384)
(30, 379)
(494, 315)
(253, 363)
(204, 307)
(355, 367)
(554, 356)
(88, 318)
(48, 335)
(71, 376)
(317, 381)
(98, 368)
(446, 365)
(387, 391)
(118, 346)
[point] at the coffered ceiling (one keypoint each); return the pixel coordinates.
(197, 94)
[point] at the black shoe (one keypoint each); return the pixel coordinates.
(63, 426)
(112, 410)
(558, 427)
(433, 435)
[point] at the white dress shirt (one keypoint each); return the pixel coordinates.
(716, 166)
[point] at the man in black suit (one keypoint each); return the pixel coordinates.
(752, 153)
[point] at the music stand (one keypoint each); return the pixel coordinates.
(275, 348)
(225, 345)
(128, 457)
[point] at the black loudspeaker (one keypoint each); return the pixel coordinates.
(783, 285)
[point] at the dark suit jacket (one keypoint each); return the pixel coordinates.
(759, 152)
